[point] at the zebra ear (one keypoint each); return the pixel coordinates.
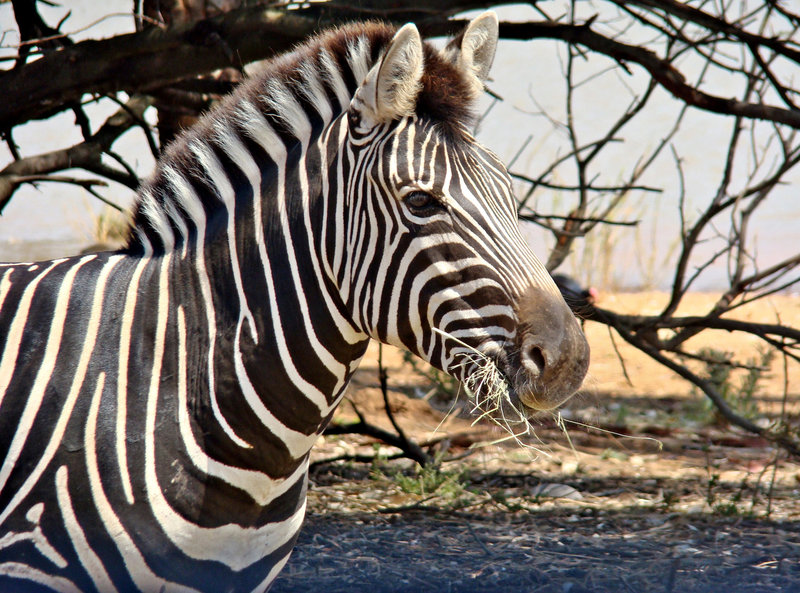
(473, 51)
(391, 87)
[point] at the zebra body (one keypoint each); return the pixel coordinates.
(157, 404)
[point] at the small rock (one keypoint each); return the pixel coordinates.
(555, 491)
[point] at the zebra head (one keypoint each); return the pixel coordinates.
(435, 262)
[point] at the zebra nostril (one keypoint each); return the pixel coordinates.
(533, 359)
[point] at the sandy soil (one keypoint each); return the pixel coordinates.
(659, 498)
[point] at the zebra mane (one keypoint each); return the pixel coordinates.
(290, 91)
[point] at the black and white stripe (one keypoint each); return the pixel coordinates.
(157, 404)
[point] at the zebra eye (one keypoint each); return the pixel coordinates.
(420, 202)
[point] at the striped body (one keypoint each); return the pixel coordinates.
(157, 405)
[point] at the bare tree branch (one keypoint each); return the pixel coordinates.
(145, 60)
(640, 332)
(85, 155)
(660, 69)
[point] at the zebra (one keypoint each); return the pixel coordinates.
(158, 403)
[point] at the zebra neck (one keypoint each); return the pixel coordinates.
(266, 305)
(261, 321)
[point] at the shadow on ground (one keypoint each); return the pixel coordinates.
(575, 550)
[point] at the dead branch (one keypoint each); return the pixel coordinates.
(409, 448)
(143, 61)
(85, 155)
(694, 15)
(157, 56)
(661, 70)
(647, 343)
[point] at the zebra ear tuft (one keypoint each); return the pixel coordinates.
(392, 86)
(473, 51)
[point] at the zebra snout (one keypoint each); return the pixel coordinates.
(553, 352)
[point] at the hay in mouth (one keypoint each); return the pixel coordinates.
(492, 395)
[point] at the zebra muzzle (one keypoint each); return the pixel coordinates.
(552, 355)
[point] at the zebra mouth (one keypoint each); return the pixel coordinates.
(501, 386)
(494, 393)
(511, 385)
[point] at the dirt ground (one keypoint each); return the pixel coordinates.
(658, 497)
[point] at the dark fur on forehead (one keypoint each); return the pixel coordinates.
(446, 95)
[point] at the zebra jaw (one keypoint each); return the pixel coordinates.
(497, 391)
